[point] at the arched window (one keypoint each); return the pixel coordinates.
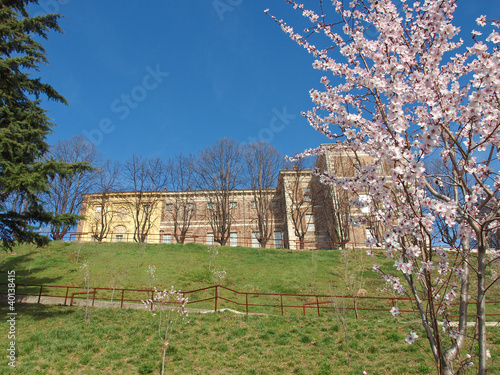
(120, 233)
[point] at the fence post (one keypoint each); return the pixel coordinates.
(216, 296)
(123, 293)
(246, 303)
(317, 304)
(281, 300)
(93, 298)
(66, 297)
(40, 294)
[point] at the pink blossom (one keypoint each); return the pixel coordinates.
(494, 37)
(410, 339)
(454, 334)
(350, 133)
(460, 272)
(427, 266)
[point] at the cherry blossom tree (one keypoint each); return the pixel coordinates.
(401, 87)
(169, 306)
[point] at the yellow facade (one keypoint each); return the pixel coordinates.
(304, 213)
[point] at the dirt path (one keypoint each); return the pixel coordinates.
(45, 300)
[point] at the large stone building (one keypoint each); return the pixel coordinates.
(300, 213)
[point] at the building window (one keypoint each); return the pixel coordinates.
(255, 239)
(98, 213)
(167, 238)
(310, 222)
(233, 204)
(190, 206)
(119, 233)
(253, 204)
(210, 206)
(307, 194)
(233, 239)
(276, 205)
(278, 240)
(210, 238)
(146, 208)
(169, 206)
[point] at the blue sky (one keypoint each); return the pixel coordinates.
(160, 77)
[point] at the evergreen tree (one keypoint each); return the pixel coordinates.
(24, 167)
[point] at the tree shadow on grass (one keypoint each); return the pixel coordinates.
(21, 280)
(38, 312)
(24, 274)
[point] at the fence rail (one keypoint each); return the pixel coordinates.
(217, 295)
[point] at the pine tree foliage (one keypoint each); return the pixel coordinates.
(24, 167)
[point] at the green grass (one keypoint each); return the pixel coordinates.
(186, 267)
(55, 340)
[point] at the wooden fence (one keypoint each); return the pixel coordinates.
(216, 297)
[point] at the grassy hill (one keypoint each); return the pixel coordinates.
(56, 340)
(187, 266)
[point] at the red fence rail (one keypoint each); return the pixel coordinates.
(217, 295)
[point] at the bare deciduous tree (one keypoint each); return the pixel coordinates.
(65, 192)
(180, 209)
(332, 212)
(106, 183)
(263, 163)
(219, 172)
(298, 193)
(147, 177)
